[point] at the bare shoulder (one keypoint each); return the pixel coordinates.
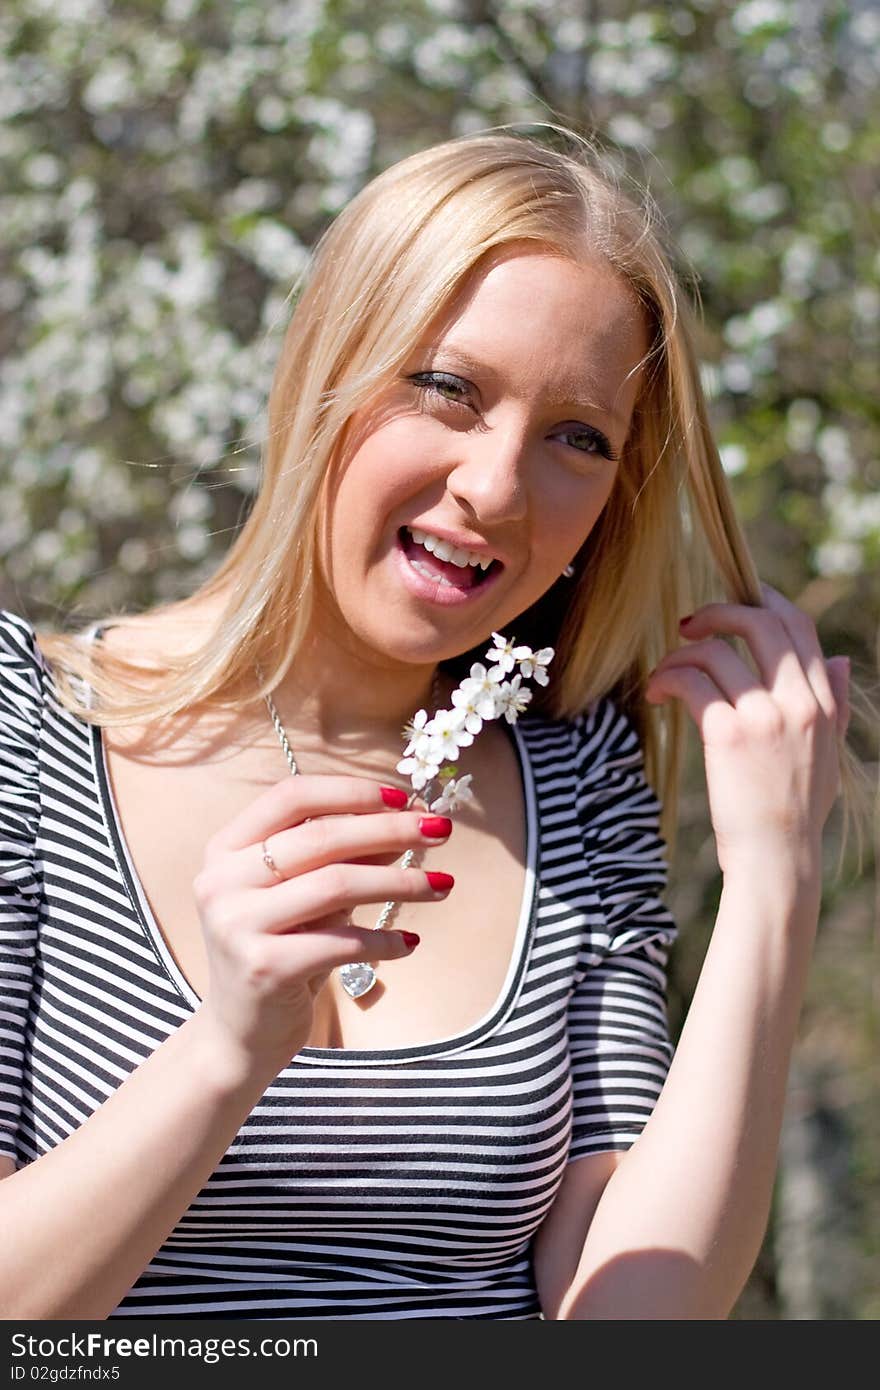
(146, 640)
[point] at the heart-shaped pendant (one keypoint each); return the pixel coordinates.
(357, 978)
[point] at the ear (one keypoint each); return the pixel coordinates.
(838, 668)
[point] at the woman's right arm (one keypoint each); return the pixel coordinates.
(83, 1221)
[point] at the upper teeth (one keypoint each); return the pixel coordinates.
(445, 550)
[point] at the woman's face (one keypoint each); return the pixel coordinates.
(500, 436)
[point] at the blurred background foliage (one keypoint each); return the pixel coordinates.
(165, 168)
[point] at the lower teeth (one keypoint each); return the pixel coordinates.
(437, 578)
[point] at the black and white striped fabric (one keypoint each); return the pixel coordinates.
(398, 1183)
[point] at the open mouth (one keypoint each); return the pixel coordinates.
(465, 575)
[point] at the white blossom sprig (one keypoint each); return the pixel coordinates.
(483, 695)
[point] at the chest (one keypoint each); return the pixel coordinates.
(166, 811)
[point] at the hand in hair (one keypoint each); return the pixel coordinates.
(771, 740)
(273, 941)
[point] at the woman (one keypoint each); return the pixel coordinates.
(490, 352)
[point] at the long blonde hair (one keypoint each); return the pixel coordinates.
(667, 540)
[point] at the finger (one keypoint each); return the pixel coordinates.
(705, 703)
(297, 903)
(768, 640)
(336, 839)
(318, 952)
(802, 631)
(294, 800)
(718, 660)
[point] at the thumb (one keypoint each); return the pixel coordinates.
(838, 668)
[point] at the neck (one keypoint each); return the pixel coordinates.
(330, 696)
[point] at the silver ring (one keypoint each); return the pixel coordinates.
(270, 863)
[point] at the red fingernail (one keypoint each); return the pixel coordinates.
(435, 827)
(441, 883)
(684, 620)
(411, 939)
(393, 796)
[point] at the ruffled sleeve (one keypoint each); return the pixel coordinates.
(20, 720)
(617, 1017)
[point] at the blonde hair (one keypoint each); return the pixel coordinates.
(380, 275)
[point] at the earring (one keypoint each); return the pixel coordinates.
(568, 571)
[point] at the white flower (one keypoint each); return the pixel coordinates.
(532, 667)
(414, 732)
(505, 654)
(478, 689)
(421, 768)
(455, 794)
(475, 702)
(511, 700)
(448, 734)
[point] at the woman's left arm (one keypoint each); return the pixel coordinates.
(679, 1222)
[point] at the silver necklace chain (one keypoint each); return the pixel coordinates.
(282, 735)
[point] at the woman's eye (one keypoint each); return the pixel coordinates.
(439, 384)
(590, 441)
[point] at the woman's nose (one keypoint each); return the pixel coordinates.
(489, 476)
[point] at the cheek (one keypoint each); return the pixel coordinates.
(568, 511)
(376, 488)
(385, 473)
(354, 501)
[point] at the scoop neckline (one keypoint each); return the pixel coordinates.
(441, 1047)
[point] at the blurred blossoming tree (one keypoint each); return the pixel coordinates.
(166, 166)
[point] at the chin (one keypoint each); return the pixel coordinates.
(420, 633)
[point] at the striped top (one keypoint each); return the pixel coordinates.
(405, 1182)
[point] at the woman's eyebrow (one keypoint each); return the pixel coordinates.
(565, 391)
